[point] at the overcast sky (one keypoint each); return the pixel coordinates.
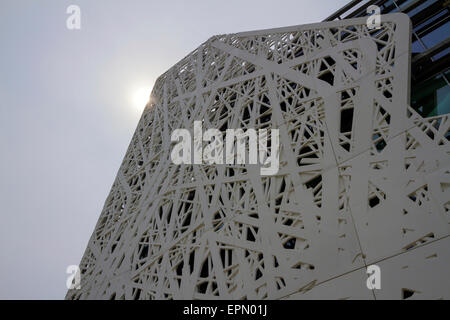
(67, 112)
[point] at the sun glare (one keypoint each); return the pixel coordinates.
(140, 97)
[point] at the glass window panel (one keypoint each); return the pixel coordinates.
(421, 7)
(432, 97)
(436, 35)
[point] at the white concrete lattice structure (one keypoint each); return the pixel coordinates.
(363, 178)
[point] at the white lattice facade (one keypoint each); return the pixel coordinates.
(363, 178)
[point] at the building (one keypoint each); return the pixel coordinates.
(430, 48)
(363, 176)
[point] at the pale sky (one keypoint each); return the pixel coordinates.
(68, 111)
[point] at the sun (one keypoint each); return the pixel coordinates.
(140, 97)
